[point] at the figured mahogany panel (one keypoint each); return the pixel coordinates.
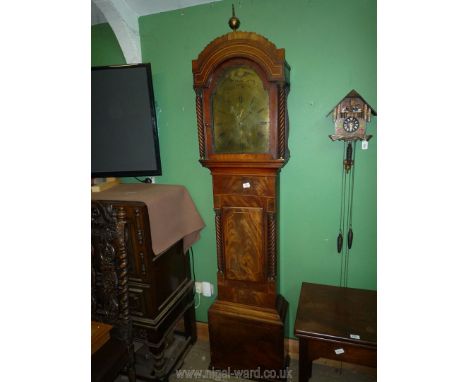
(239, 201)
(244, 185)
(258, 294)
(243, 232)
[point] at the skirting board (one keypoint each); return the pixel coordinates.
(293, 345)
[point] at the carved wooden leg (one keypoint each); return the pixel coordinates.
(158, 355)
(305, 364)
(156, 347)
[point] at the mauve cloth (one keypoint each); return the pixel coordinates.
(172, 213)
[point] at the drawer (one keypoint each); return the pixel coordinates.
(244, 185)
(342, 351)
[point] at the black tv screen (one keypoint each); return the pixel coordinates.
(124, 138)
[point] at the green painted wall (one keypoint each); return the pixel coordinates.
(105, 49)
(331, 48)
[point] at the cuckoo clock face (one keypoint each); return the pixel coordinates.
(241, 119)
(350, 124)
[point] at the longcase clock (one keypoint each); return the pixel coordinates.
(241, 81)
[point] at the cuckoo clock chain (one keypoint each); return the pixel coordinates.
(339, 242)
(346, 218)
(351, 197)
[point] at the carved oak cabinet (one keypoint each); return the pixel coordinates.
(241, 81)
(160, 289)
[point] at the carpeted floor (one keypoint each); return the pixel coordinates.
(197, 360)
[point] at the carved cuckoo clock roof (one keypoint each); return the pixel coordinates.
(353, 94)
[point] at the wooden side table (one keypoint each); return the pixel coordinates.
(336, 323)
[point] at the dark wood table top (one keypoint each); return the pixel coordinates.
(100, 334)
(331, 312)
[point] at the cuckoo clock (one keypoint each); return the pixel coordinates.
(350, 117)
(241, 81)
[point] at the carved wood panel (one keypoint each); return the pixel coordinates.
(138, 301)
(109, 269)
(157, 291)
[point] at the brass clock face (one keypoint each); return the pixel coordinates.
(350, 124)
(241, 118)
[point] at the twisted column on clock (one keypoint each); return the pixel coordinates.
(271, 221)
(201, 132)
(219, 240)
(282, 120)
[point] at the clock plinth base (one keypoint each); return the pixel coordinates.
(244, 337)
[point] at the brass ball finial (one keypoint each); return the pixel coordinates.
(234, 22)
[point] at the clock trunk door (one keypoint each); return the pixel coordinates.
(243, 232)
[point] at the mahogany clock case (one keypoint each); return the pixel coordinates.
(247, 320)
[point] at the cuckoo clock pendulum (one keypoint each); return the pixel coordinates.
(350, 117)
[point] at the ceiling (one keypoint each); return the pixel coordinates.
(147, 7)
(122, 16)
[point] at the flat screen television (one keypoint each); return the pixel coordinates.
(124, 136)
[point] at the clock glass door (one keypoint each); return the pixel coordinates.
(241, 120)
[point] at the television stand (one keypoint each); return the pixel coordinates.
(108, 183)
